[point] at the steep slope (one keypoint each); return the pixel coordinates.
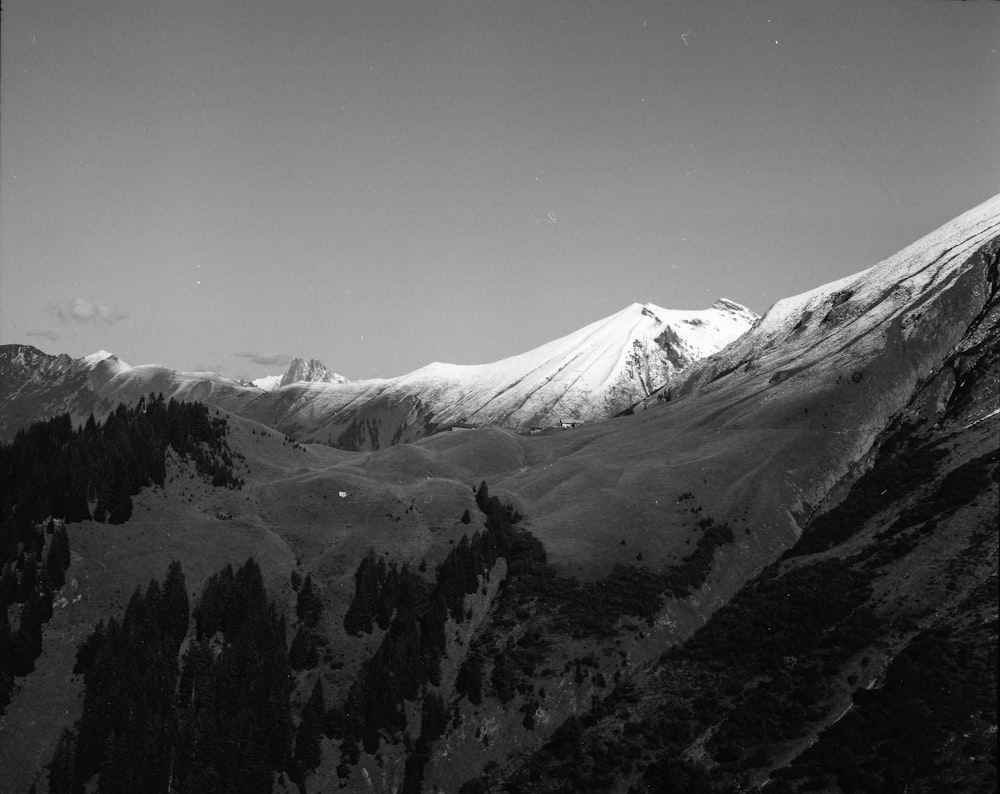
(761, 454)
(312, 372)
(881, 485)
(595, 372)
(299, 371)
(35, 385)
(267, 383)
(865, 659)
(590, 374)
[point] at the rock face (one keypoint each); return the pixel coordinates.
(312, 372)
(588, 375)
(35, 385)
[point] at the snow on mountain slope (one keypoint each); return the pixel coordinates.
(830, 367)
(894, 305)
(599, 370)
(778, 424)
(299, 371)
(267, 383)
(35, 385)
(312, 372)
(590, 374)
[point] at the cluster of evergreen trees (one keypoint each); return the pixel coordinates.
(407, 664)
(219, 721)
(304, 653)
(414, 614)
(52, 469)
(27, 585)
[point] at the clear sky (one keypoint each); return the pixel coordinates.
(222, 184)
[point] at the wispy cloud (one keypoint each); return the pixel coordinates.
(52, 336)
(267, 359)
(81, 310)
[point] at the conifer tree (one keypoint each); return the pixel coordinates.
(28, 581)
(27, 642)
(308, 751)
(303, 655)
(58, 558)
(6, 660)
(175, 604)
(8, 585)
(367, 584)
(308, 606)
(61, 767)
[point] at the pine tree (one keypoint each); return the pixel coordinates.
(58, 558)
(175, 604)
(61, 767)
(366, 590)
(7, 657)
(308, 606)
(8, 585)
(308, 751)
(28, 640)
(303, 655)
(28, 581)
(44, 588)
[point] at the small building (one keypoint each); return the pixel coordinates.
(460, 426)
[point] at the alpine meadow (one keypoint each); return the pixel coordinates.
(674, 551)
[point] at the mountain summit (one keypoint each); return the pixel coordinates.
(312, 372)
(781, 576)
(593, 373)
(590, 374)
(299, 371)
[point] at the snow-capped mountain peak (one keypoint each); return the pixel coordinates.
(96, 358)
(267, 383)
(313, 371)
(590, 374)
(299, 371)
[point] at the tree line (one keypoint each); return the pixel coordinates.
(53, 474)
(92, 472)
(414, 613)
(215, 718)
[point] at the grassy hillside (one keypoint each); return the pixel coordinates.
(708, 595)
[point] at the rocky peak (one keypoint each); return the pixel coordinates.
(27, 360)
(312, 372)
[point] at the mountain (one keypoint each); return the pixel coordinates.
(778, 574)
(593, 373)
(590, 374)
(313, 372)
(299, 371)
(267, 382)
(35, 385)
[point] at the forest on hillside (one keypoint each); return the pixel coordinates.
(212, 717)
(55, 474)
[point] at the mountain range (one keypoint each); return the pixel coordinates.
(594, 373)
(765, 561)
(299, 371)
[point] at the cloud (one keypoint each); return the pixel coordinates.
(52, 336)
(81, 310)
(268, 359)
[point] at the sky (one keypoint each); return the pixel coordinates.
(225, 184)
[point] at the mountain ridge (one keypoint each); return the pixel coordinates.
(707, 588)
(588, 374)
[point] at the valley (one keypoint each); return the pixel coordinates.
(787, 542)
